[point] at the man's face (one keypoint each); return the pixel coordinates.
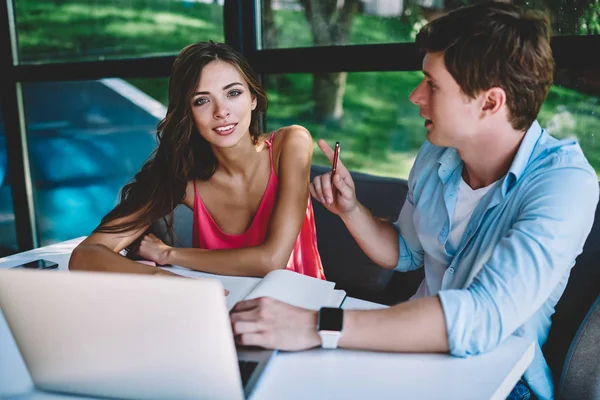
(451, 117)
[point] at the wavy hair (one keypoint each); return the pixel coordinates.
(182, 153)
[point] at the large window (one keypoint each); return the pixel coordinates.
(369, 112)
(342, 68)
(304, 23)
(86, 140)
(67, 30)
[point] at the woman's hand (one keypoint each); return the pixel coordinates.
(340, 198)
(153, 249)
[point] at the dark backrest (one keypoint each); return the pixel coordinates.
(182, 228)
(580, 378)
(343, 260)
(582, 290)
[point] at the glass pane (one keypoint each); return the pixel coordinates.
(380, 130)
(8, 237)
(305, 23)
(86, 140)
(67, 30)
(572, 110)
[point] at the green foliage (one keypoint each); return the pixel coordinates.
(589, 23)
(62, 30)
(381, 130)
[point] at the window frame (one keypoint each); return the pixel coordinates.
(242, 27)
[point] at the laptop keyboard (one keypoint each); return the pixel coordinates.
(246, 369)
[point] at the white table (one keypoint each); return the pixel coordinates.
(319, 374)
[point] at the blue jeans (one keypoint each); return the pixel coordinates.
(521, 391)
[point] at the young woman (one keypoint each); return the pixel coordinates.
(248, 191)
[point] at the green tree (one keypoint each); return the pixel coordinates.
(330, 22)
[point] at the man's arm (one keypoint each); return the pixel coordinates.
(527, 264)
(413, 326)
(377, 237)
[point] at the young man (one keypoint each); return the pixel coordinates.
(490, 212)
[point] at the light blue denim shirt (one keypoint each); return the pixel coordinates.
(514, 260)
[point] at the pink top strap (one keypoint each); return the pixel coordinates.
(305, 257)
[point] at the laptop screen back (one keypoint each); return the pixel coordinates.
(122, 335)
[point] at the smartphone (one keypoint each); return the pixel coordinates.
(39, 264)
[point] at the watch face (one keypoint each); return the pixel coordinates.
(331, 319)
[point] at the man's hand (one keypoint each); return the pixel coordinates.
(153, 249)
(272, 324)
(340, 201)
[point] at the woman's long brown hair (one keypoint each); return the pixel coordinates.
(182, 153)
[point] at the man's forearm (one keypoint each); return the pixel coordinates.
(413, 326)
(376, 237)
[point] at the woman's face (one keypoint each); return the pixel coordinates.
(222, 105)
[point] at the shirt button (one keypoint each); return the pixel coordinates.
(451, 270)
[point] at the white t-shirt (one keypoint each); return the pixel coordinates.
(466, 201)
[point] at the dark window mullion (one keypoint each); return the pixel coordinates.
(240, 19)
(570, 52)
(149, 67)
(15, 134)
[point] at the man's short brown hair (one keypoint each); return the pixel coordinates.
(496, 45)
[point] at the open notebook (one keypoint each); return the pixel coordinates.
(288, 286)
(298, 290)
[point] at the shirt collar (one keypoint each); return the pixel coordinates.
(522, 157)
(450, 160)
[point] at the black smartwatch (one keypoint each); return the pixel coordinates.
(329, 326)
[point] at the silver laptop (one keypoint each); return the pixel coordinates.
(127, 336)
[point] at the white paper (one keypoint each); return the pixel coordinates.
(284, 285)
(298, 290)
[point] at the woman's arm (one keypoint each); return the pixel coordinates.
(292, 157)
(100, 252)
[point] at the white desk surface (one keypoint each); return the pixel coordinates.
(319, 374)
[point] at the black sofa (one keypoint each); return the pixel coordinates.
(573, 346)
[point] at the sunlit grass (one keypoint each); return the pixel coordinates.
(79, 30)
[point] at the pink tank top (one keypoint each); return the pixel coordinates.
(305, 257)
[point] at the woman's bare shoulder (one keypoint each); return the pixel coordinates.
(293, 143)
(295, 136)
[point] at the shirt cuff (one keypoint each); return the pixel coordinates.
(459, 312)
(405, 259)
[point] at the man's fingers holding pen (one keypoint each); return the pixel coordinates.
(315, 188)
(344, 186)
(326, 188)
(321, 189)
